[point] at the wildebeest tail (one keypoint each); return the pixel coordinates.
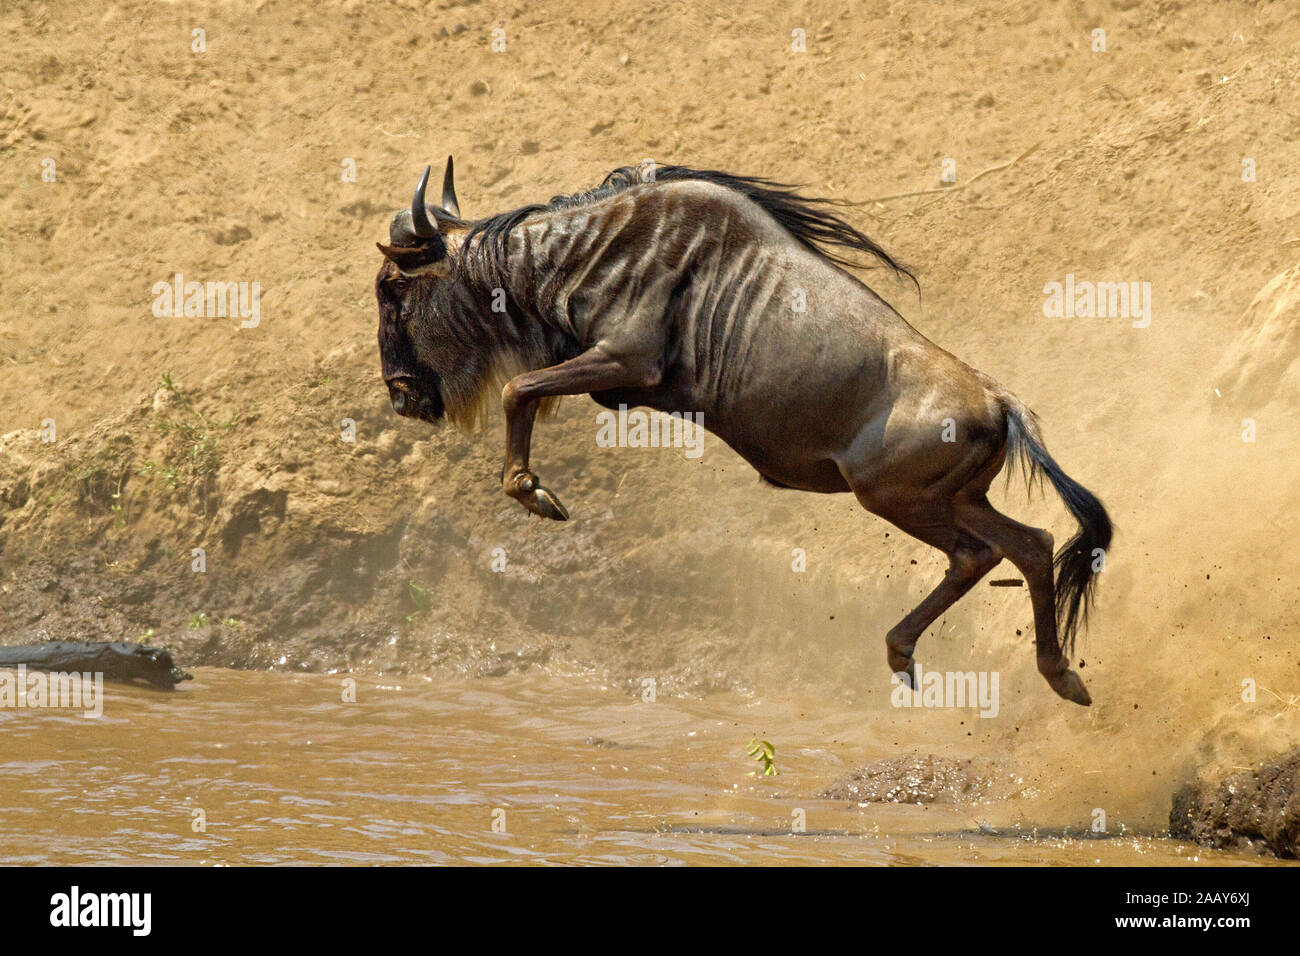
(1076, 580)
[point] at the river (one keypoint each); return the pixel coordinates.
(240, 768)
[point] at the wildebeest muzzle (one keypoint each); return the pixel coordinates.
(414, 399)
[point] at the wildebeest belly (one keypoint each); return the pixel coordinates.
(784, 449)
(786, 464)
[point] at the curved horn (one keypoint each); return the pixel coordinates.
(419, 215)
(449, 202)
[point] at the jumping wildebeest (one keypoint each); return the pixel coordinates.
(675, 289)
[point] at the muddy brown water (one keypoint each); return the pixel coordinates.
(267, 768)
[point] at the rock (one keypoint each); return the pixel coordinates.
(1257, 810)
(1261, 364)
(363, 208)
(231, 235)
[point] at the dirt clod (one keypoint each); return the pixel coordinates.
(924, 779)
(1255, 810)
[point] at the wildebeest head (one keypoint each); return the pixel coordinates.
(431, 363)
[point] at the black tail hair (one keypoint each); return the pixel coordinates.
(1076, 582)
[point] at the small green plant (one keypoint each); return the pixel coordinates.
(195, 466)
(146, 636)
(762, 750)
(234, 622)
(419, 595)
(118, 508)
(198, 620)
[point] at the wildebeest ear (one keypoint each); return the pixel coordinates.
(449, 202)
(429, 259)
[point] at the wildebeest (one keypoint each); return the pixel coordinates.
(675, 289)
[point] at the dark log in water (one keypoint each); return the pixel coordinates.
(124, 663)
(1255, 810)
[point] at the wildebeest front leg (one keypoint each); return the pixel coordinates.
(593, 371)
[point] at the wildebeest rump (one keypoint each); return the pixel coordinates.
(726, 296)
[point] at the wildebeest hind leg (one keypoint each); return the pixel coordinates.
(969, 559)
(1030, 550)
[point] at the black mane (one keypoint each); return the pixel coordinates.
(805, 218)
